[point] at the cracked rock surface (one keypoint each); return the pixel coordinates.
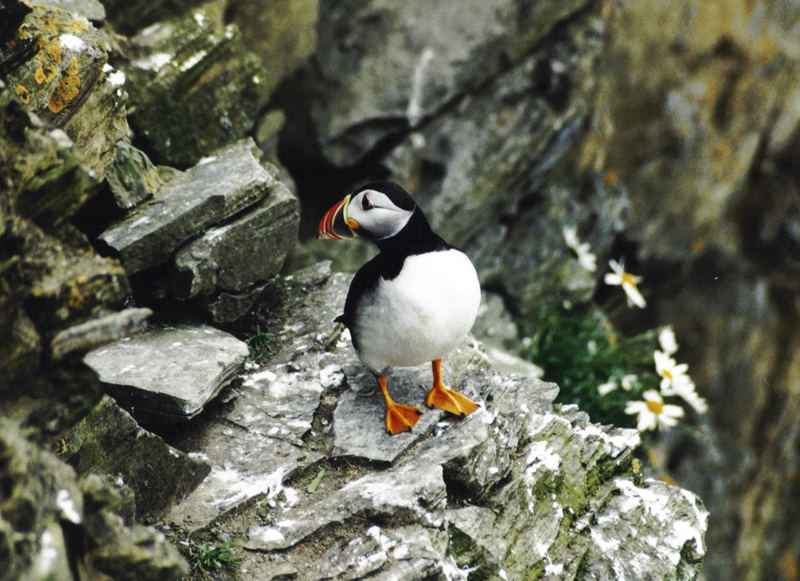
(305, 476)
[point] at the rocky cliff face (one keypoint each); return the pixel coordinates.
(148, 162)
(303, 475)
(665, 133)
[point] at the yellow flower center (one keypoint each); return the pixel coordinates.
(628, 278)
(667, 374)
(656, 407)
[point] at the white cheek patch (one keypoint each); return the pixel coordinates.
(379, 199)
(389, 225)
(383, 220)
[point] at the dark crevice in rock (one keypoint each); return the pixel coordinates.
(339, 470)
(459, 492)
(320, 183)
(75, 542)
(95, 216)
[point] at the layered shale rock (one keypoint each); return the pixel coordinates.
(52, 524)
(193, 91)
(109, 441)
(59, 70)
(223, 228)
(65, 144)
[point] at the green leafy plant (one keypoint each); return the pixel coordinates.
(578, 348)
(616, 380)
(259, 340)
(208, 557)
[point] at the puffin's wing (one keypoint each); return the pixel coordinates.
(364, 281)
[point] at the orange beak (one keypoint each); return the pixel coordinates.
(335, 225)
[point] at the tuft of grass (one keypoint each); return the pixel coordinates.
(259, 341)
(206, 558)
(579, 349)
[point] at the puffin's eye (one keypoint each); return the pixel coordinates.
(365, 203)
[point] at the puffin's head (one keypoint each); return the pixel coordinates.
(376, 211)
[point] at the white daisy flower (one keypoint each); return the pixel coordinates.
(570, 234)
(627, 281)
(628, 382)
(653, 412)
(671, 373)
(676, 381)
(586, 258)
(607, 387)
(685, 388)
(666, 338)
(699, 404)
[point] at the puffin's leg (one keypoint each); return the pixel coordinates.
(447, 399)
(399, 418)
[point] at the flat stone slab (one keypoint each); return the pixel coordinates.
(244, 464)
(232, 257)
(96, 332)
(215, 189)
(278, 402)
(255, 443)
(168, 375)
(418, 493)
(359, 418)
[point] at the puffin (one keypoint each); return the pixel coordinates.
(410, 304)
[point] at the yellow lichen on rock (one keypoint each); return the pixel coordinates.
(49, 57)
(54, 52)
(57, 21)
(45, 74)
(66, 91)
(52, 70)
(24, 94)
(72, 71)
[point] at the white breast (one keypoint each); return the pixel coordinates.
(421, 314)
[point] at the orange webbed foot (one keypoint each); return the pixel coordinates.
(446, 399)
(399, 417)
(450, 401)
